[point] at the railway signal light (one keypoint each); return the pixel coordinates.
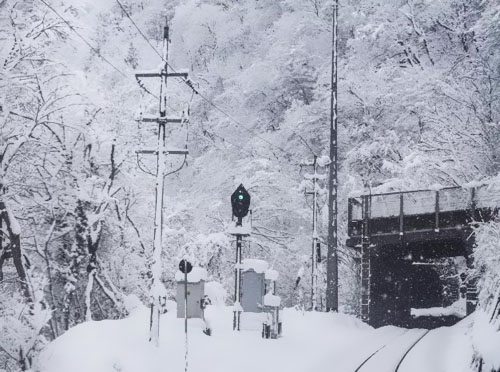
(240, 202)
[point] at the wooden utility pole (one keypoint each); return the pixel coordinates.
(160, 152)
(332, 295)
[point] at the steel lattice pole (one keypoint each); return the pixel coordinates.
(332, 257)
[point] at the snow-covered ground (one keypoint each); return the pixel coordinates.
(443, 349)
(311, 342)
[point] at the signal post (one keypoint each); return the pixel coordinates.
(240, 202)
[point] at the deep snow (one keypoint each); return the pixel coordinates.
(311, 342)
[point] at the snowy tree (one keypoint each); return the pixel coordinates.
(486, 329)
(418, 106)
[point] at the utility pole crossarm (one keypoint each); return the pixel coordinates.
(166, 152)
(183, 75)
(161, 74)
(164, 120)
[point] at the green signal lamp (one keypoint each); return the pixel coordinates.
(240, 202)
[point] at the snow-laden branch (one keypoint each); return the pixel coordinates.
(109, 293)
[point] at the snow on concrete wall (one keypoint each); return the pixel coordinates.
(272, 274)
(259, 266)
(196, 275)
(272, 300)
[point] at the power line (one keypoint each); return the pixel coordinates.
(141, 85)
(190, 85)
(95, 50)
(242, 126)
(142, 34)
(230, 142)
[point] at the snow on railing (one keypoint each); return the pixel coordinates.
(259, 266)
(426, 201)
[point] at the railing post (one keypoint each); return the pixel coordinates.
(471, 294)
(401, 222)
(436, 227)
(473, 204)
(349, 216)
(401, 215)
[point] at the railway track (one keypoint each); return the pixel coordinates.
(395, 357)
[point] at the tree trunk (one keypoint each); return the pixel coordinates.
(15, 247)
(3, 255)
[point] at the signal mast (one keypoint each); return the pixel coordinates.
(240, 202)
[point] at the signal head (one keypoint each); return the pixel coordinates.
(240, 202)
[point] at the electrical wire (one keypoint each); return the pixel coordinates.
(225, 140)
(189, 83)
(183, 121)
(142, 167)
(142, 86)
(141, 33)
(211, 103)
(95, 50)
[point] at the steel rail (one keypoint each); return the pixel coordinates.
(407, 351)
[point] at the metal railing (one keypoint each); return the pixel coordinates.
(412, 210)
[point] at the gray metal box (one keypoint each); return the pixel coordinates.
(252, 291)
(196, 291)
